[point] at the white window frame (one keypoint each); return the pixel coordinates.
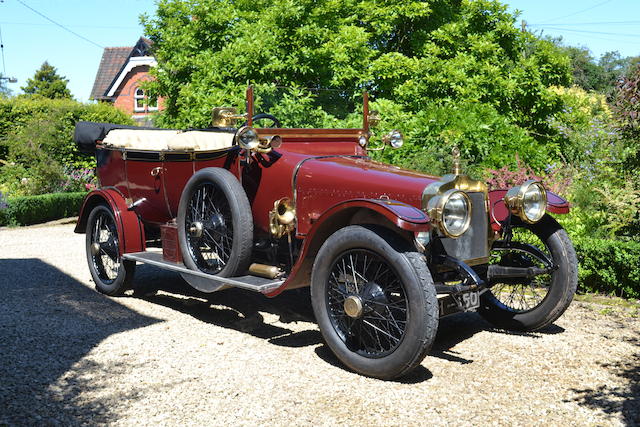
(137, 97)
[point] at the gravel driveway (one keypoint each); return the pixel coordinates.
(69, 355)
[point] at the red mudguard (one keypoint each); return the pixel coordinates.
(130, 228)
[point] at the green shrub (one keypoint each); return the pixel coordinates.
(37, 152)
(609, 266)
(42, 208)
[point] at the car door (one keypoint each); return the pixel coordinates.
(145, 171)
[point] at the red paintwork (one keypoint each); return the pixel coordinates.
(111, 173)
(130, 228)
(499, 211)
(322, 184)
(174, 177)
(143, 185)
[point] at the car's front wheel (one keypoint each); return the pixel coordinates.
(374, 301)
(532, 303)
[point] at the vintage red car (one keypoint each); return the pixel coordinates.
(386, 251)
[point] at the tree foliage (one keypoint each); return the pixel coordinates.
(5, 92)
(597, 74)
(47, 83)
(451, 72)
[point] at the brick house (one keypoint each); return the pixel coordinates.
(119, 80)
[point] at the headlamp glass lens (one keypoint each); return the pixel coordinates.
(533, 203)
(455, 214)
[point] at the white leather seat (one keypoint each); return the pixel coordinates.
(201, 141)
(168, 140)
(155, 140)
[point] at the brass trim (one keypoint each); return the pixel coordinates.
(264, 270)
(514, 199)
(373, 118)
(225, 117)
(282, 218)
(353, 306)
(458, 182)
(435, 210)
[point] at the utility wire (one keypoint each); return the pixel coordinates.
(35, 24)
(582, 23)
(576, 13)
(592, 32)
(4, 67)
(59, 25)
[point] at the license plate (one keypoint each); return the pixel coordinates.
(470, 300)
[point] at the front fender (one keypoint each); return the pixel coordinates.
(402, 215)
(130, 228)
(499, 211)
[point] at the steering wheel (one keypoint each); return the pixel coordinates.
(262, 116)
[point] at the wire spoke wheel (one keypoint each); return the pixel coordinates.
(111, 274)
(521, 295)
(104, 244)
(367, 303)
(209, 228)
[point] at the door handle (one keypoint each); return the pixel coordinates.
(156, 171)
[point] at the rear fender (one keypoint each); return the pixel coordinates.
(499, 211)
(130, 228)
(405, 218)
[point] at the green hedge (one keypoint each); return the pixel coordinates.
(609, 266)
(46, 207)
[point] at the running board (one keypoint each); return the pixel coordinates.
(252, 283)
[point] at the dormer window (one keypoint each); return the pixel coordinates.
(144, 102)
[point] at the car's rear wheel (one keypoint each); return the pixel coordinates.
(215, 226)
(374, 301)
(529, 304)
(111, 274)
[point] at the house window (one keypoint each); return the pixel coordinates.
(144, 102)
(139, 100)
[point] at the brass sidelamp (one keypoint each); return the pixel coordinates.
(225, 117)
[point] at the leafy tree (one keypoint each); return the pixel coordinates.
(5, 92)
(463, 62)
(47, 83)
(600, 75)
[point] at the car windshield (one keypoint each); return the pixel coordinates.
(308, 108)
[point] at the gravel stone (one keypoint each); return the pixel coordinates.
(71, 356)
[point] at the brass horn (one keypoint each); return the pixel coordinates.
(282, 218)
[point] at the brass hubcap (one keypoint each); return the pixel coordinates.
(353, 306)
(95, 248)
(196, 229)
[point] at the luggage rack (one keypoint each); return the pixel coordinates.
(252, 283)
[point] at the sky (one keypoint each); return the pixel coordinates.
(29, 38)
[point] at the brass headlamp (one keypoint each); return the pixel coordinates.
(450, 212)
(528, 201)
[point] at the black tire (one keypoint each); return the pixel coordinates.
(110, 273)
(229, 219)
(559, 290)
(355, 344)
